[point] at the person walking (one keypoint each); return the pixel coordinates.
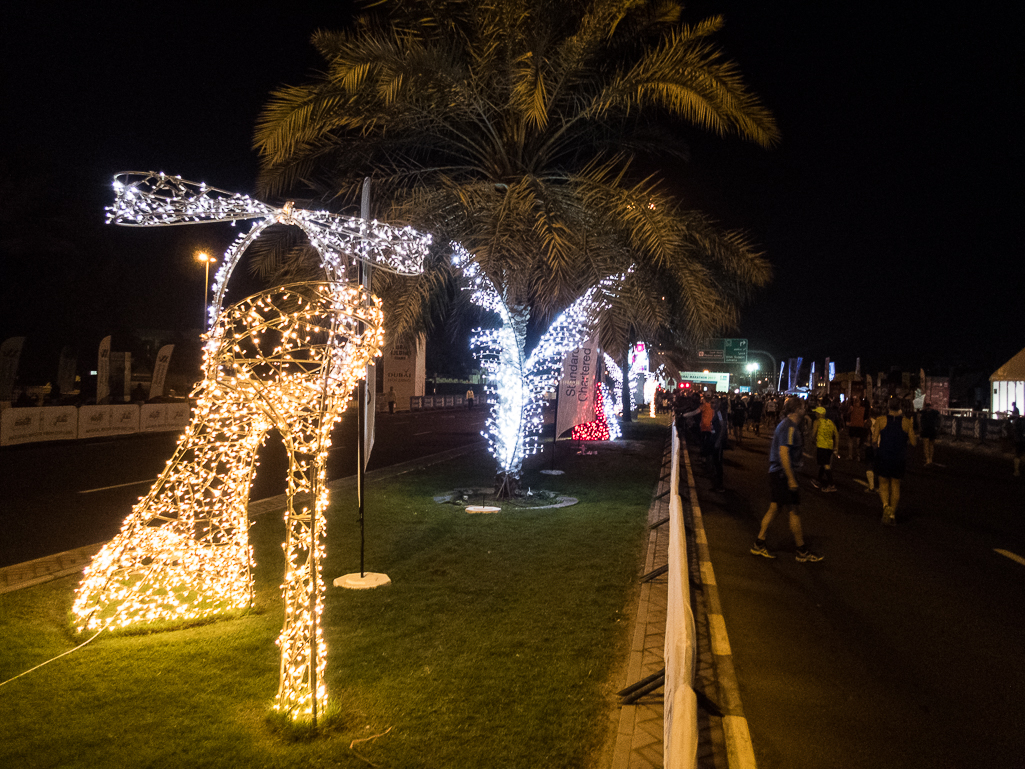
(771, 407)
(754, 413)
(738, 416)
(470, 395)
(391, 400)
(785, 457)
(857, 427)
(928, 429)
(827, 442)
(891, 434)
(1017, 435)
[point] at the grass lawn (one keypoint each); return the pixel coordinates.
(497, 645)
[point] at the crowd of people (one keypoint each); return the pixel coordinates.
(877, 435)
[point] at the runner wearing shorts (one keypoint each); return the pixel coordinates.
(785, 458)
(891, 434)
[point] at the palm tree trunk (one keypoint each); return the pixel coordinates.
(513, 399)
(627, 411)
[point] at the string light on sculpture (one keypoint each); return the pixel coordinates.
(151, 199)
(285, 358)
(605, 427)
(516, 387)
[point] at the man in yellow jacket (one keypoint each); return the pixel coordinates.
(827, 443)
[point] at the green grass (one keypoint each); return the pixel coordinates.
(497, 645)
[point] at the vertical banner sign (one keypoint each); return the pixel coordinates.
(402, 368)
(103, 371)
(156, 386)
(66, 371)
(826, 372)
(811, 377)
(576, 388)
(857, 366)
(10, 354)
(370, 388)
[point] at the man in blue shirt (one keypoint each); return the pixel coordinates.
(785, 457)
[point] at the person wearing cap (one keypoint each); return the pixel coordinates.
(827, 442)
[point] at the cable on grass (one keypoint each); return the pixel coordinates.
(65, 654)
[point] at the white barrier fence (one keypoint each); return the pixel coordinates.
(61, 423)
(680, 730)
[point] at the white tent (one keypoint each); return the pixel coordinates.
(1008, 385)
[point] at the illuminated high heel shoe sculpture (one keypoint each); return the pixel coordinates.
(285, 358)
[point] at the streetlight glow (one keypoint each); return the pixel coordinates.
(207, 260)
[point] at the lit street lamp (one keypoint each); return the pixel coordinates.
(207, 260)
(751, 368)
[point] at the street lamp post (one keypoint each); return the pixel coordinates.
(207, 260)
(751, 368)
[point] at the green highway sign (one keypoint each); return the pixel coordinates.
(734, 351)
(724, 351)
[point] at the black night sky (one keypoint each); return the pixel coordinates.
(889, 210)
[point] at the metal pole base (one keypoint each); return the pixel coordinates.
(359, 581)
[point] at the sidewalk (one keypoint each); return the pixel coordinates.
(639, 741)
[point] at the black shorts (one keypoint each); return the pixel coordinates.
(780, 491)
(929, 435)
(886, 467)
(857, 432)
(824, 456)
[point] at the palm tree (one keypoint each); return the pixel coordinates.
(515, 127)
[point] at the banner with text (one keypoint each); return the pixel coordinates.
(10, 354)
(156, 386)
(576, 388)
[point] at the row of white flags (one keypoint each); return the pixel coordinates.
(10, 355)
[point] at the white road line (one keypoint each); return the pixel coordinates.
(1012, 556)
(426, 433)
(117, 486)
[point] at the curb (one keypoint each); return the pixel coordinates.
(739, 749)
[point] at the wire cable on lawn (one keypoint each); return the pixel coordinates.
(65, 654)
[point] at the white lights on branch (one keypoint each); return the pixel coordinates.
(285, 358)
(516, 386)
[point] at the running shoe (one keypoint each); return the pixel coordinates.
(830, 489)
(761, 550)
(807, 556)
(816, 484)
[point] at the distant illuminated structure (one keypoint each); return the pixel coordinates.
(285, 358)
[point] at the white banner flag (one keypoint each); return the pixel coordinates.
(103, 372)
(576, 388)
(156, 387)
(10, 353)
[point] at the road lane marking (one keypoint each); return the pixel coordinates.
(720, 641)
(1012, 556)
(426, 433)
(117, 486)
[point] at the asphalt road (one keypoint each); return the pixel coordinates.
(59, 496)
(904, 647)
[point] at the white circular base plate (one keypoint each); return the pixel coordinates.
(481, 509)
(552, 472)
(359, 581)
